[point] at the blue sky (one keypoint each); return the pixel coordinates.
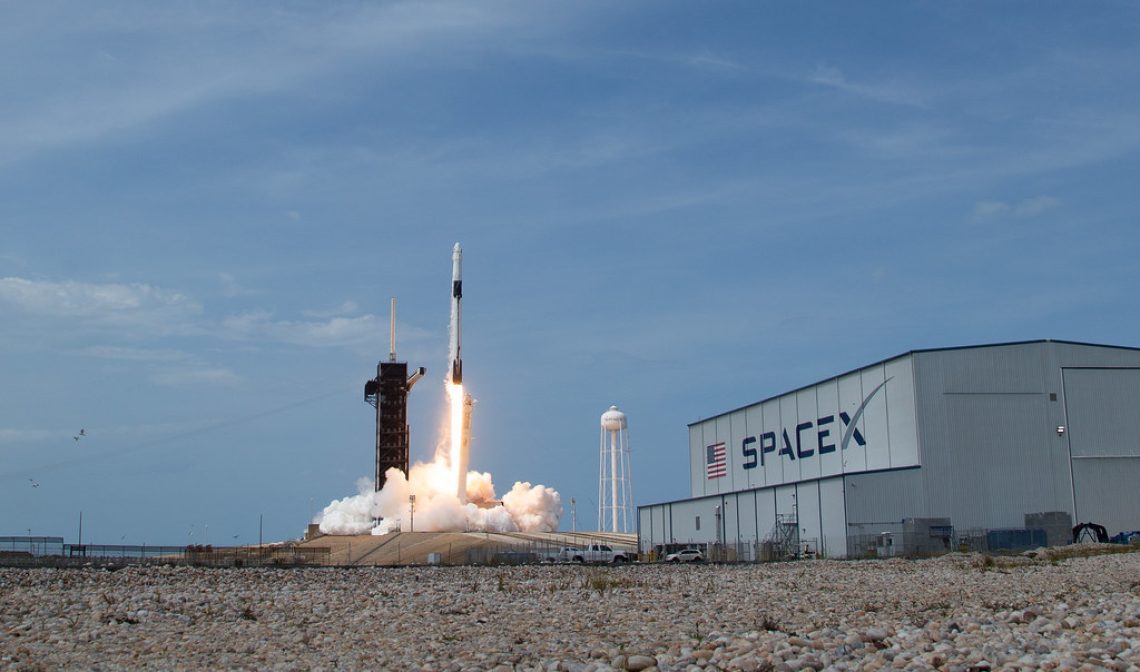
(675, 208)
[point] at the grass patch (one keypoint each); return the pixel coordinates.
(1088, 550)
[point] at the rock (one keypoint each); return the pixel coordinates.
(841, 615)
(638, 663)
(874, 635)
(745, 663)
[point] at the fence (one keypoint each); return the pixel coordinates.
(52, 552)
(939, 540)
(30, 546)
(516, 553)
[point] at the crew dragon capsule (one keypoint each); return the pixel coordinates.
(456, 297)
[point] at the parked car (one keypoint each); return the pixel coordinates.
(594, 553)
(686, 555)
(565, 554)
(600, 553)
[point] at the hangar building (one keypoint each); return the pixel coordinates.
(980, 447)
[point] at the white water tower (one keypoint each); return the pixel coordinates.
(615, 482)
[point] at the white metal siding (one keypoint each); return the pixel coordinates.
(807, 501)
(1001, 448)
(833, 518)
(981, 422)
(854, 459)
(646, 530)
(990, 452)
(771, 469)
(786, 500)
(685, 516)
(723, 435)
(829, 434)
(754, 417)
(805, 442)
(766, 511)
(1108, 492)
(875, 420)
(697, 478)
(882, 498)
(1103, 410)
(798, 437)
(787, 470)
(1103, 406)
(745, 514)
(899, 395)
(737, 479)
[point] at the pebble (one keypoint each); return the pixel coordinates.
(949, 613)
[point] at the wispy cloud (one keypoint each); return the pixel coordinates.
(1029, 207)
(248, 53)
(22, 436)
(116, 312)
(350, 332)
(716, 62)
(98, 436)
(883, 92)
(345, 308)
(195, 376)
(166, 366)
(132, 354)
(231, 288)
(135, 306)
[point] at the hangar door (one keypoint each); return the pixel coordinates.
(1102, 408)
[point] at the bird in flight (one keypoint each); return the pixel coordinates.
(82, 433)
(33, 482)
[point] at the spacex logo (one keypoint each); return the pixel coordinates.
(802, 446)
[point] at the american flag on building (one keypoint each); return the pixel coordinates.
(716, 461)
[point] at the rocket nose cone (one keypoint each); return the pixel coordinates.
(457, 248)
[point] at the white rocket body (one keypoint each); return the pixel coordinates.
(456, 314)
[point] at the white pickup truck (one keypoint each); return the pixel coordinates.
(594, 553)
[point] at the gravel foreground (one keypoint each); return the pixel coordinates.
(959, 612)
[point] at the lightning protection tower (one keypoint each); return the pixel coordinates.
(388, 394)
(615, 482)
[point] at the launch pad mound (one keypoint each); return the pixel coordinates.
(459, 548)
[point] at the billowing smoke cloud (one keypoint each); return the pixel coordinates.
(526, 508)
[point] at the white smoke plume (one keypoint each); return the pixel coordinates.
(526, 508)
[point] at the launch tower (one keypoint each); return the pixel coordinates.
(388, 394)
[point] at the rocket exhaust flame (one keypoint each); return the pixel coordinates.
(448, 497)
(455, 455)
(455, 388)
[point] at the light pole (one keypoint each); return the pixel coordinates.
(719, 549)
(724, 527)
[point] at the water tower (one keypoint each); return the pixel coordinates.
(615, 483)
